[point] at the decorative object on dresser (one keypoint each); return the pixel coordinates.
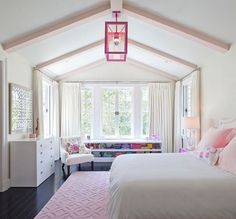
(21, 119)
(31, 161)
(74, 152)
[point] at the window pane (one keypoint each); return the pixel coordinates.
(108, 112)
(125, 124)
(125, 111)
(125, 100)
(86, 112)
(145, 112)
(187, 93)
(145, 123)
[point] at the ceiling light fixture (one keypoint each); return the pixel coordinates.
(116, 39)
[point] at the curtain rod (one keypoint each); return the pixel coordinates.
(115, 82)
(196, 69)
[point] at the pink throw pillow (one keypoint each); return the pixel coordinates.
(227, 158)
(72, 148)
(216, 137)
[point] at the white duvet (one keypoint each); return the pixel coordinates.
(173, 186)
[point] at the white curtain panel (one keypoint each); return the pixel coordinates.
(195, 101)
(38, 101)
(55, 118)
(55, 109)
(160, 113)
(177, 117)
(70, 109)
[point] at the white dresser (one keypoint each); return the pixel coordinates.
(31, 161)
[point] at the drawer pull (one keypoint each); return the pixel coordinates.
(41, 172)
(41, 152)
(50, 148)
(41, 161)
(51, 156)
(41, 145)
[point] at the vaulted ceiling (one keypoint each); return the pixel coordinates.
(174, 36)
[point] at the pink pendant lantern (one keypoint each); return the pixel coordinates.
(116, 39)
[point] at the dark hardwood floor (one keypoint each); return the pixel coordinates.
(25, 203)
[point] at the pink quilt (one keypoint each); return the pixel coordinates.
(84, 195)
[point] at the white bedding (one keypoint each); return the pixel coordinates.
(173, 186)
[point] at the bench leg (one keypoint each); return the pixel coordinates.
(79, 167)
(68, 170)
(92, 165)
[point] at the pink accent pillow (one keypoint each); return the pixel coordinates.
(216, 137)
(227, 158)
(72, 148)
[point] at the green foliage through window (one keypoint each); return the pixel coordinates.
(86, 111)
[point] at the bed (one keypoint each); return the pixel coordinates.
(173, 186)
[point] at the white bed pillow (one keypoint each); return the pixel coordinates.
(208, 153)
(227, 158)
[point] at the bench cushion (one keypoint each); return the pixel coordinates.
(79, 158)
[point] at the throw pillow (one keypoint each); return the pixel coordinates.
(216, 137)
(227, 158)
(72, 148)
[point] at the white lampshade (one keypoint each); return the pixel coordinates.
(190, 123)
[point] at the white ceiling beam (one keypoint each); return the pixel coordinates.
(116, 5)
(164, 55)
(70, 54)
(80, 70)
(150, 68)
(176, 28)
(132, 42)
(57, 27)
(102, 61)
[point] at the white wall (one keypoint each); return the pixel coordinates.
(4, 179)
(109, 71)
(218, 88)
(19, 71)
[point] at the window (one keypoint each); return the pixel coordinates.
(187, 93)
(187, 103)
(114, 111)
(145, 112)
(108, 112)
(86, 111)
(125, 111)
(47, 106)
(117, 112)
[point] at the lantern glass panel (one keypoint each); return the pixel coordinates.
(116, 57)
(116, 37)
